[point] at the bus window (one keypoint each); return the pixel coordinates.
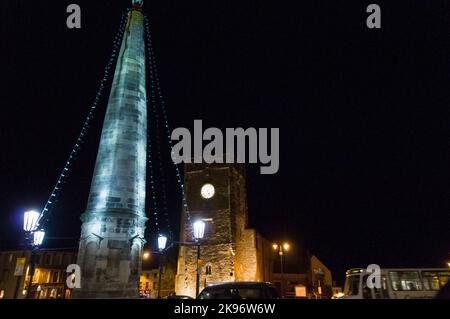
(430, 280)
(444, 277)
(405, 280)
(352, 285)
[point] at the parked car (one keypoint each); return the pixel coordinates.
(240, 290)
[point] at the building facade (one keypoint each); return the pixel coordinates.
(49, 280)
(148, 283)
(230, 250)
(315, 283)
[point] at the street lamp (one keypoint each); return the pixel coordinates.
(34, 239)
(162, 241)
(281, 248)
(199, 232)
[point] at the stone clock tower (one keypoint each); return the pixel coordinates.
(230, 251)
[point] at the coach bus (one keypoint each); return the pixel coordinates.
(404, 283)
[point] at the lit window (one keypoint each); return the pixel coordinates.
(434, 280)
(405, 280)
(55, 276)
(430, 280)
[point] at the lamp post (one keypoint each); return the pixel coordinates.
(281, 248)
(38, 237)
(162, 241)
(34, 239)
(199, 232)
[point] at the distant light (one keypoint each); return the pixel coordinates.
(38, 237)
(30, 219)
(146, 255)
(286, 246)
(448, 263)
(199, 229)
(162, 241)
(275, 246)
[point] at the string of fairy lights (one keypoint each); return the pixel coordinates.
(161, 174)
(153, 201)
(46, 211)
(156, 81)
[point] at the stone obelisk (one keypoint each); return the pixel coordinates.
(114, 221)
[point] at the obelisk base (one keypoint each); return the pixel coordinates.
(110, 255)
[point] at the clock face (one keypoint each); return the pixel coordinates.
(207, 191)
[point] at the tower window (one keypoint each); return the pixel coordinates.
(208, 270)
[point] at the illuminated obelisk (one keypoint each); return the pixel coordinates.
(114, 221)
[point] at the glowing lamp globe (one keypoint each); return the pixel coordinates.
(30, 220)
(199, 229)
(162, 241)
(38, 237)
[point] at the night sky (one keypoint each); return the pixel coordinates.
(363, 115)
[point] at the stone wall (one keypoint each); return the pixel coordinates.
(110, 256)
